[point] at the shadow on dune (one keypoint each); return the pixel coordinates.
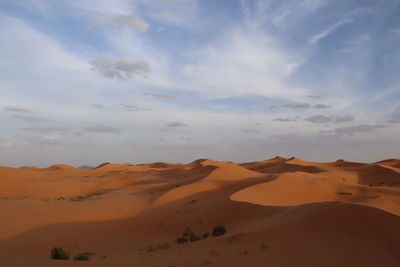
(280, 167)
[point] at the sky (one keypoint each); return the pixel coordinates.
(87, 82)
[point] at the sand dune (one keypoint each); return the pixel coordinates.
(390, 162)
(301, 188)
(321, 214)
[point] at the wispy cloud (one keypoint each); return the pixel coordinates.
(345, 118)
(297, 105)
(47, 129)
(98, 105)
(319, 119)
(321, 106)
(314, 96)
(122, 21)
(121, 69)
(17, 109)
(29, 118)
(360, 128)
(134, 108)
(176, 124)
(326, 119)
(161, 96)
(287, 119)
(317, 37)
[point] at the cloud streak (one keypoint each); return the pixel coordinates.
(321, 106)
(319, 36)
(121, 69)
(176, 124)
(360, 128)
(47, 129)
(297, 105)
(287, 119)
(119, 22)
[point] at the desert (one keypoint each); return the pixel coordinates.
(276, 212)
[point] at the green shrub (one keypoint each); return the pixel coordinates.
(182, 239)
(82, 257)
(58, 253)
(194, 237)
(218, 230)
(206, 235)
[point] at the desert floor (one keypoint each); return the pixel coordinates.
(277, 212)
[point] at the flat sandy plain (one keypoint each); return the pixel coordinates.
(277, 212)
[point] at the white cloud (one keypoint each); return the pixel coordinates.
(243, 62)
(121, 69)
(317, 37)
(123, 21)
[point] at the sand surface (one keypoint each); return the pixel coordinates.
(277, 212)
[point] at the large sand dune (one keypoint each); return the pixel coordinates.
(278, 212)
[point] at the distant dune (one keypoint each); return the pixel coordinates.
(277, 212)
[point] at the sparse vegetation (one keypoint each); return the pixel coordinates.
(194, 237)
(58, 253)
(82, 257)
(161, 245)
(79, 198)
(182, 240)
(189, 235)
(218, 230)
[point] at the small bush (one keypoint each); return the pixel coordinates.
(82, 257)
(161, 245)
(206, 235)
(182, 240)
(194, 237)
(58, 253)
(218, 230)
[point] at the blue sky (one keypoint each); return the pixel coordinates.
(85, 82)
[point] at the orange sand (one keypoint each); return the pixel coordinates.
(278, 212)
